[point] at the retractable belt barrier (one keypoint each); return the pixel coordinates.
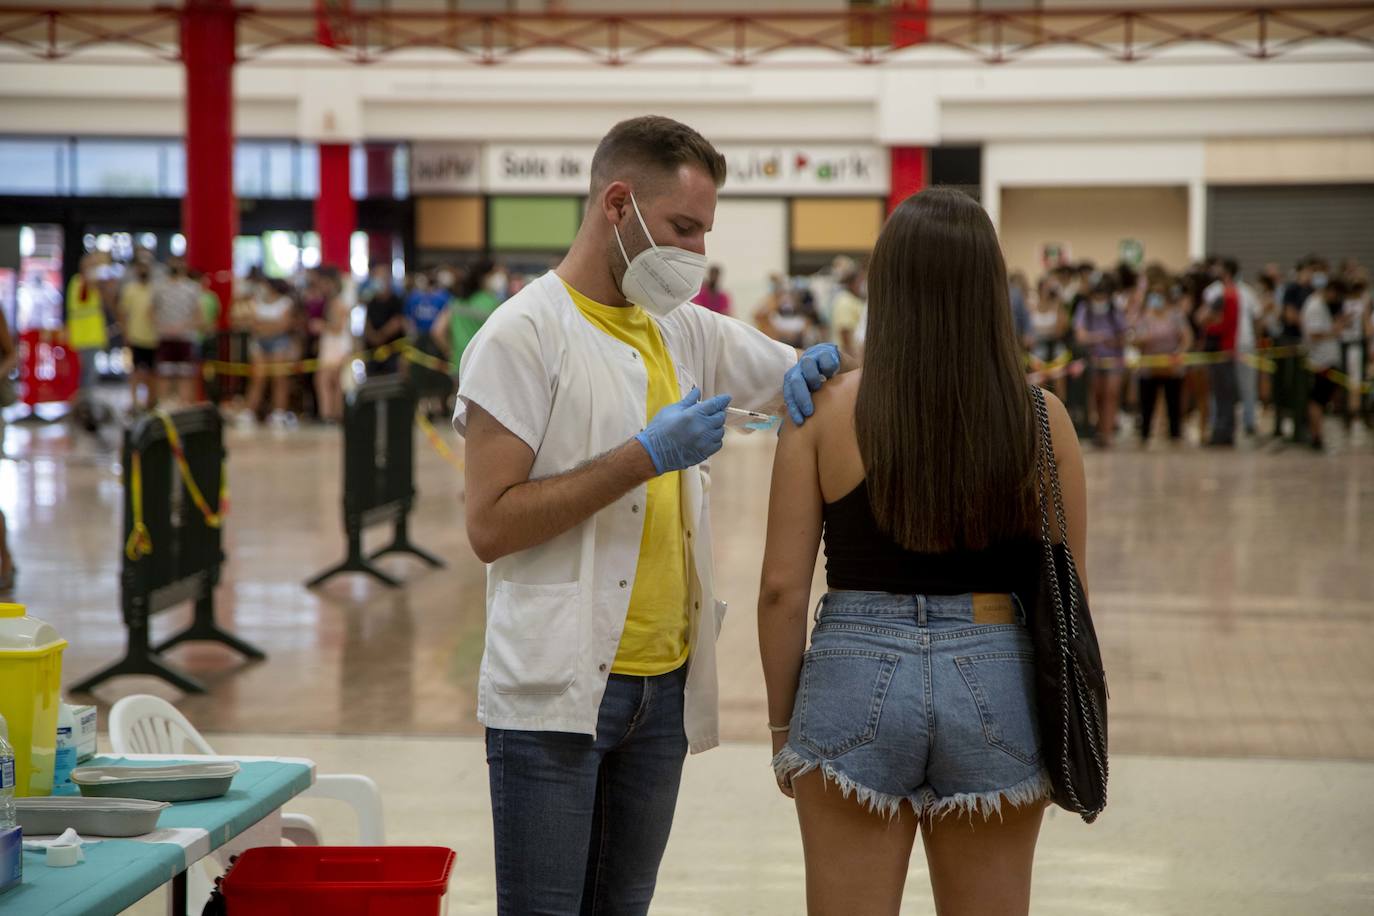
(379, 473)
(175, 500)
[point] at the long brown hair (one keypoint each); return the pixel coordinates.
(943, 416)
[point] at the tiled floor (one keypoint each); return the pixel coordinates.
(1181, 837)
(1233, 594)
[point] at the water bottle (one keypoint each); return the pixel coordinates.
(66, 749)
(8, 817)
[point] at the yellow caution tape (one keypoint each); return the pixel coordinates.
(213, 519)
(140, 542)
(435, 440)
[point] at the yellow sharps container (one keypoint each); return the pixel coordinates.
(30, 692)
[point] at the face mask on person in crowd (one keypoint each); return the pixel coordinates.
(1101, 306)
(659, 279)
(1154, 301)
(445, 278)
(1318, 280)
(496, 284)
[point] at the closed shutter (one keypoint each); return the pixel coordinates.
(1259, 224)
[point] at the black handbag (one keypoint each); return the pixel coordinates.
(1070, 684)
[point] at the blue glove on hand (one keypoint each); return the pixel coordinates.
(685, 434)
(811, 371)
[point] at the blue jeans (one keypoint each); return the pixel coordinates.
(923, 699)
(580, 823)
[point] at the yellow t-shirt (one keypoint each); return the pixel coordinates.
(136, 307)
(655, 637)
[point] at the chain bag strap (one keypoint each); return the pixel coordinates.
(1082, 724)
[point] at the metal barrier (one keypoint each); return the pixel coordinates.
(379, 473)
(173, 499)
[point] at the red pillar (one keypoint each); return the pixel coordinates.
(209, 215)
(908, 173)
(336, 216)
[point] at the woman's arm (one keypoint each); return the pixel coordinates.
(789, 562)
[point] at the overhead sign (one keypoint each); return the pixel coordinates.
(806, 169)
(445, 168)
(532, 167)
(783, 170)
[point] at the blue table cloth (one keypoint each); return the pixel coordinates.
(118, 873)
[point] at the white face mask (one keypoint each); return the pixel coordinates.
(496, 285)
(658, 280)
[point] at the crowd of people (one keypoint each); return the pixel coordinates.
(1206, 342)
(294, 341)
(1116, 343)
(1207, 346)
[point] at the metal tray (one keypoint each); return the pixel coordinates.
(174, 783)
(88, 816)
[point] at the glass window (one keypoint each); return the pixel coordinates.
(357, 171)
(309, 159)
(281, 169)
(249, 170)
(32, 166)
(401, 171)
(175, 174)
(117, 167)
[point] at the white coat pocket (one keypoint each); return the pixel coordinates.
(534, 638)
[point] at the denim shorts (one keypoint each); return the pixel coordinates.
(927, 699)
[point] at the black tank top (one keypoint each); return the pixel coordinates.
(860, 557)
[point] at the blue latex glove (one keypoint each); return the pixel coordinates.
(811, 371)
(685, 434)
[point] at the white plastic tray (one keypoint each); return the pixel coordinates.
(110, 817)
(179, 782)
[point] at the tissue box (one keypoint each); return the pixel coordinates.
(11, 858)
(85, 732)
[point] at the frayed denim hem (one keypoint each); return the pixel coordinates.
(1026, 792)
(789, 764)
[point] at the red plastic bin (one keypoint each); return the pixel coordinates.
(339, 880)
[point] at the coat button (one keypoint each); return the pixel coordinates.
(622, 583)
(635, 507)
(689, 535)
(601, 667)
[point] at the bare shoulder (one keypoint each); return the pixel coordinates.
(1062, 432)
(837, 395)
(834, 404)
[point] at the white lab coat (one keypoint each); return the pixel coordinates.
(555, 612)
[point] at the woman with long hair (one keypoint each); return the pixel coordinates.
(914, 706)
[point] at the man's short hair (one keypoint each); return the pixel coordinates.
(653, 146)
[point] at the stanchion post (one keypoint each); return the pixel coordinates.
(378, 478)
(180, 559)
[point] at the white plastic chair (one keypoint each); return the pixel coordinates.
(144, 724)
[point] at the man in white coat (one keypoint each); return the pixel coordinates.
(589, 401)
